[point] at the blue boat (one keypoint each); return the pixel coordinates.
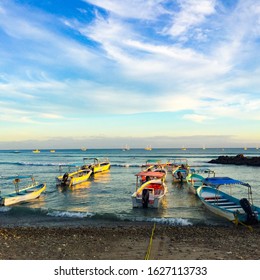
(225, 205)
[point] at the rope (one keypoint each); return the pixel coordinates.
(236, 221)
(147, 256)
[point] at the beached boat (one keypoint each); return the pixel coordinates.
(150, 190)
(226, 205)
(26, 193)
(180, 169)
(196, 177)
(71, 179)
(98, 165)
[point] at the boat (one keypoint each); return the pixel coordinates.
(180, 169)
(148, 148)
(184, 149)
(126, 148)
(196, 177)
(26, 193)
(98, 165)
(71, 179)
(83, 149)
(36, 151)
(155, 165)
(226, 205)
(52, 151)
(150, 190)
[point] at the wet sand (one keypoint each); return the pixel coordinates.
(130, 241)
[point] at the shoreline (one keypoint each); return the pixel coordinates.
(129, 241)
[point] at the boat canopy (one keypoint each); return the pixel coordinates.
(217, 181)
(151, 174)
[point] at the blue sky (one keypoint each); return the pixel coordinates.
(105, 73)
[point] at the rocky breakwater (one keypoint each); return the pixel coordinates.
(237, 160)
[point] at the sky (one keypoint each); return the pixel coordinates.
(106, 73)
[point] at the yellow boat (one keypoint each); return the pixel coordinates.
(97, 165)
(52, 151)
(69, 180)
(148, 148)
(36, 151)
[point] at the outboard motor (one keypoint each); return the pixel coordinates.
(179, 176)
(145, 198)
(65, 178)
(251, 216)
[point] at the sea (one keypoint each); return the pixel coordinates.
(106, 198)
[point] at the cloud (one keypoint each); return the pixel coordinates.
(136, 9)
(191, 14)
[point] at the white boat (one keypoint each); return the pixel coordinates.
(22, 194)
(126, 148)
(226, 205)
(180, 169)
(150, 190)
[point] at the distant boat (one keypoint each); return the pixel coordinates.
(36, 151)
(184, 149)
(16, 152)
(245, 148)
(52, 151)
(148, 148)
(83, 149)
(204, 148)
(126, 148)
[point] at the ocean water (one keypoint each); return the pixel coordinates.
(106, 198)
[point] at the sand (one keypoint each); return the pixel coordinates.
(130, 241)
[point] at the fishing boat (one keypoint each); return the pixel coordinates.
(226, 205)
(150, 190)
(36, 151)
(148, 148)
(180, 169)
(155, 165)
(97, 165)
(196, 177)
(22, 194)
(71, 179)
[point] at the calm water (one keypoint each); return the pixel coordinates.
(107, 197)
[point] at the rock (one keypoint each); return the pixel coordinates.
(239, 159)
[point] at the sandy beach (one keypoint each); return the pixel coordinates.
(130, 241)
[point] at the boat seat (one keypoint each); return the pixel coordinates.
(212, 197)
(217, 200)
(227, 203)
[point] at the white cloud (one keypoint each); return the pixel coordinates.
(138, 9)
(191, 14)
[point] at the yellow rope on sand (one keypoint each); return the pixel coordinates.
(147, 256)
(236, 221)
